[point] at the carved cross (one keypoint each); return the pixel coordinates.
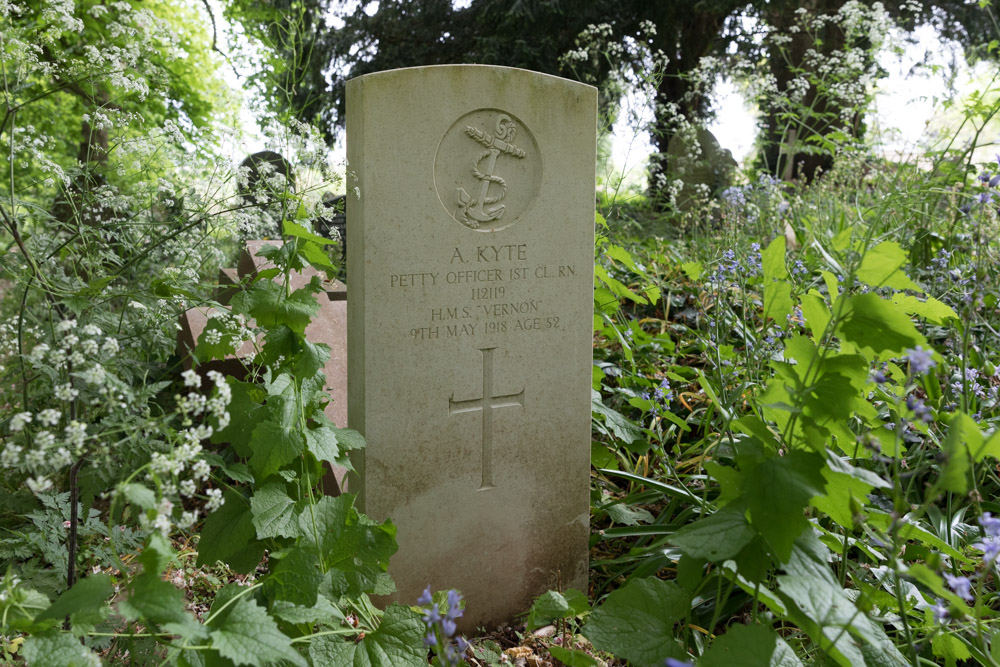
(487, 403)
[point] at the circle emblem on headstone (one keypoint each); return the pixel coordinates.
(487, 170)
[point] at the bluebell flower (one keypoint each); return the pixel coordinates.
(994, 181)
(962, 586)
(920, 411)
(990, 524)
(985, 197)
(990, 546)
(880, 377)
(441, 628)
(940, 610)
(783, 207)
(674, 662)
(425, 598)
(920, 359)
(984, 177)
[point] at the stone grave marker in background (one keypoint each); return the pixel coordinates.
(469, 327)
(328, 326)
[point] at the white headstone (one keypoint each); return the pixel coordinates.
(470, 266)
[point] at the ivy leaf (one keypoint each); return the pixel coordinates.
(882, 267)
(57, 649)
(274, 512)
(717, 537)
(553, 605)
(878, 326)
(398, 641)
(273, 446)
(750, 646)
(248, 636)
(636, 622)
(777, 492)
(87, 595)
(228, 535)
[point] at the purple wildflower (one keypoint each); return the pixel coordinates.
(962, 586)
(921, 360)
(940, 610)
(990, 524)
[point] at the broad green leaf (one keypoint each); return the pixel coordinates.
(572, 657)
(248, 636)
(322, 442)
(322, 611)
(274, 512)
(398, 641)
(749, 646)
(267, 304)
(295, 576)
(715, 538)
(930, 308)
(291, 228)
(246, 410)
(816, 314)
(693, 270)
(273, 446)
(636, 622)
(139, 495)
(87, 595)
(773, 261)
(964, 437)
(57, 649)
(553, 605)
(354, 545)
(622, 255)
(156, 554)
(778, 302)
(878, 326)
(154, 601)
(617, 423)
(626, 515)
(951, 648)
(777, 492)
(882, 267)
(619, 289)
(228, 535)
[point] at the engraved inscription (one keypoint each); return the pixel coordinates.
(486, 403)
(483, 178)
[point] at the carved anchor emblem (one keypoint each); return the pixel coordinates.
(471, 211)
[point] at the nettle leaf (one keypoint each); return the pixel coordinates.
(228, 535)
(265, 301)
(636, 622)
(273, 445)
(878, 326)
(87, 595)
(295, 576)
(750, 646)
(57, 649)
(553, 605)
(398, 641)
(274, 513)
(882, 267)
(354, 545)
(715, 538)
(777, 493)
(248, 636)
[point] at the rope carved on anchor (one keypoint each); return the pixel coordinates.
(486, 177)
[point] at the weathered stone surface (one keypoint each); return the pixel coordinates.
(471, 270)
